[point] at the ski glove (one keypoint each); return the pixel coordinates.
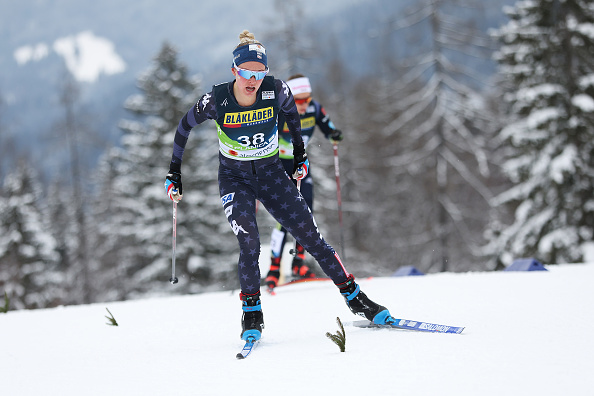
(336, 135)
(173, 186)
(300, 162)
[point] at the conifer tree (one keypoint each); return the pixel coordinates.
(135, 239)
(547, 58)
(62, 226)
(28, 259)
(427, 142)
(74, 134)
(286, 37)
(7, 146)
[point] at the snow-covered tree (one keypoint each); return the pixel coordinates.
(29, 272)
(427, 143)
(73, 136)
(547, 58)
(286, 38)
(62, 227)
(135, 238)
(7, 148)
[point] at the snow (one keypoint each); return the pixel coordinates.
(31, 53)
(586, 81)
(527, 333)
(87, 56)
(587, 29)
(532, 93)
(564, 163)
(542, 116)
(583, 102)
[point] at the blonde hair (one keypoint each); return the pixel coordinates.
(246, 37)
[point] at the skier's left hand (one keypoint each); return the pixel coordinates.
(300, 162)
(173, 186)
(336, 136)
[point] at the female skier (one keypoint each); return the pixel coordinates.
(245, 111)
(312, 113)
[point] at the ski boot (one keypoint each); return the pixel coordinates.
(299, 268)
(252, 320)
(273, 273)
(361, 305)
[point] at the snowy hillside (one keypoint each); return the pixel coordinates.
(527, 333)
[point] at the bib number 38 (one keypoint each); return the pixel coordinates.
(251, 141)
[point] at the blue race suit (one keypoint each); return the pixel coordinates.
(315, 114)
(250, 169)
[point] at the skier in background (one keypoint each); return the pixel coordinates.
(312, 113)
(245, 111)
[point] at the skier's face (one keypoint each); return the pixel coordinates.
(246, 88)
(302, 101)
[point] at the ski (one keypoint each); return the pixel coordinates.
(250, 344)
(406, 324)
(302, 280)
(305, 280)
(294, 282)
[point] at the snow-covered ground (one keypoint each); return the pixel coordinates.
(527, 333)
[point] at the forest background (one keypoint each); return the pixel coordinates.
(468, 137)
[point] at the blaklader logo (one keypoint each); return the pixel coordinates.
(246, 118)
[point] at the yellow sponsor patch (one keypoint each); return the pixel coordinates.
(246, 118)
(308, 122)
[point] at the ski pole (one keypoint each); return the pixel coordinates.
(293, 252)
(173, 278)
(338, 197)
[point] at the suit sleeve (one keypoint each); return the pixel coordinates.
(203, 110)
(289, 111)
(323, 121)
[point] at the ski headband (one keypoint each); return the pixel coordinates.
(299, 85)
(250, 53)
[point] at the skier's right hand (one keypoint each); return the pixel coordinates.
(300, 161)
(173, 186)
